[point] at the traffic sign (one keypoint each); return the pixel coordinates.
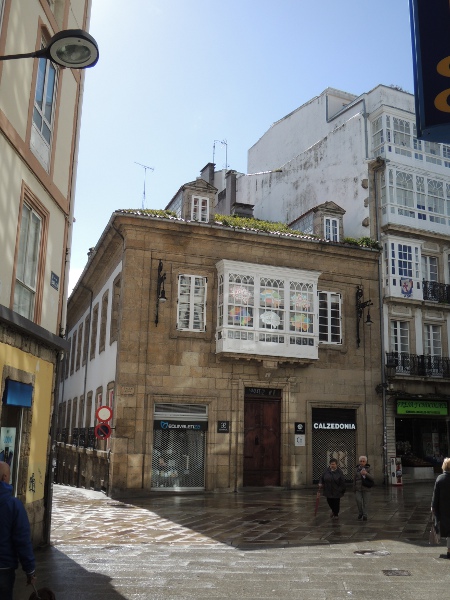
(104, 414)
(102, 431)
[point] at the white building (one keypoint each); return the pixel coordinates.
(360, 153)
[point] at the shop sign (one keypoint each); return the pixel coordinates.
(300, 428)
(167, 425)
(273, 392)
(430, 24)
(223, 426)
(422, 407)
(325, 425)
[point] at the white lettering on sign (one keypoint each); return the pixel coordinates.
(334, 426)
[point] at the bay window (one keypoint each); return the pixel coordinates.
(267, 310)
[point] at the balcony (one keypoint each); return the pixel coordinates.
(436, 292)
(402, 363)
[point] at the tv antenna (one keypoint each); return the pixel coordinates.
(224, 143)
(145, 167)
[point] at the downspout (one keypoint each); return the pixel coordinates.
(381, 166)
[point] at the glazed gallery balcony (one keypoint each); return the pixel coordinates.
(420, 365)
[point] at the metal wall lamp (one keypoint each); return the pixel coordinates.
(160, 291)
(72, 48)
(360, 306)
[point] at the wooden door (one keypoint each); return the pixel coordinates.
(262, 434)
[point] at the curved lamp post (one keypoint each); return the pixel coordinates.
(72, 48)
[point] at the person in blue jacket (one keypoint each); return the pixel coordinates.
(15, 537)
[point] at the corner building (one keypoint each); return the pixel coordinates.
(228, 358)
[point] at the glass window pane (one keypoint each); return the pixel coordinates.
(50, 92)
(39, 97)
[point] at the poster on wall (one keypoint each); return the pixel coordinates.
(7, 445)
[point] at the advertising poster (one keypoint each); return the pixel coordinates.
(7, 445)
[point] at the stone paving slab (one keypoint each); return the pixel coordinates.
(249, 545)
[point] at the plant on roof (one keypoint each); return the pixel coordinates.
(257, 225)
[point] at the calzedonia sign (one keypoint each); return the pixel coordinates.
(167, 425)
(330, 425)
(422, 407)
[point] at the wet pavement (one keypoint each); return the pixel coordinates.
(254, 544)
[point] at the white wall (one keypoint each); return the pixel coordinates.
(102, 369)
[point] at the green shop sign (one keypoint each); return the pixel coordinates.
(421, 407)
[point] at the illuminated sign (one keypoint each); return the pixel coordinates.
(422, 407)
(430, 30)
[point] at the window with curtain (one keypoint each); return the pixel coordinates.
(330, 331)
(191, 303)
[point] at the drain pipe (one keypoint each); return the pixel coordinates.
(381, 165)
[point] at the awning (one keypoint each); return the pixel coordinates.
(17, 393)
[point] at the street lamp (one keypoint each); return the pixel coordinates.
(73, 48)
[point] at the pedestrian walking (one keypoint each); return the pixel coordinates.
(332, 483)
(15, 537)
(362, 483)
(440, 504)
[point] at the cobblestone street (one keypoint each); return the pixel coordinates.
(246, 545)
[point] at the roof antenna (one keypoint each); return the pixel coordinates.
(224, 143)
(145, 174)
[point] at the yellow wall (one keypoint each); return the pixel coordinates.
(40, 426)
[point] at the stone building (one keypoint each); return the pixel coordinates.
(39, 122)
(219, 357)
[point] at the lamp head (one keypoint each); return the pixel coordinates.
(73, 48)
(162, 296)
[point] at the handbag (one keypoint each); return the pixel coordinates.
(435, 536)
(367, 483)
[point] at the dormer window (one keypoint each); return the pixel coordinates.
(200, 209)
(331, 227)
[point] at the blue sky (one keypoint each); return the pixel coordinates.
(175, 75)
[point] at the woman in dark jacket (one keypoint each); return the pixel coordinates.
(440, 503)
(333, 484)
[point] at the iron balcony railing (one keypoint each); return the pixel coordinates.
(437, 292)
(421, 365)
(83, 437)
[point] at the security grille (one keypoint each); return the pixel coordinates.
(339, 444)
(178, 458)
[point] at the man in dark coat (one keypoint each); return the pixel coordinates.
(15, 537)
(440, 503)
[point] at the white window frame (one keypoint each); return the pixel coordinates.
(43, 119)
(430, 265)
(399, 336)
(432, 340)
(331, 229)
(330, 317)
(200, 209)
(266, 310)
(27, 262)
(192, 297)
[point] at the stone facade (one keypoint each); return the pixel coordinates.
(163, 365)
